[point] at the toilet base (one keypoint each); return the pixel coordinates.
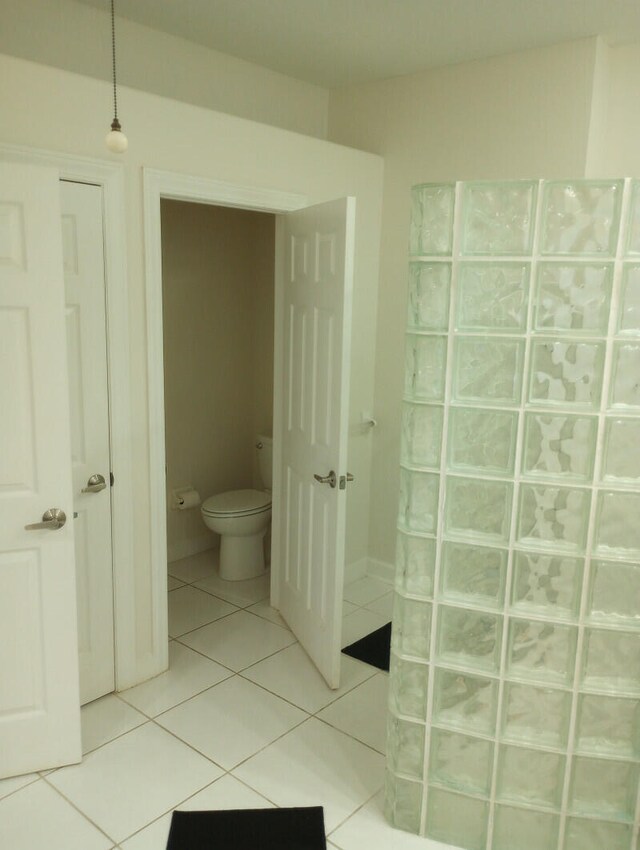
(242, 558)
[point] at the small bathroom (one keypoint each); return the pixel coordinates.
(218, 316)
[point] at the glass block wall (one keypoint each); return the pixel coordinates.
(515, 674)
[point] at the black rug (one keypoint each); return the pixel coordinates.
(248, 829)
(373, 649)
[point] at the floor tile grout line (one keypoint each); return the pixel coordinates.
(270, 744)
(370, 601)
(37, 776)
(255, 790)
(173, 808)
(354, 812)
(241, 674)
(111, 740)
(198, 652)
(203, 625)
(190, 746)
(224, 770)
(77, 808)
(173, 735)
(264, 687)
(262, 617)
(284, 628)
(314, 715)
(224, 599)
(306, 710)
(186, 699)
(242, 669)
(363, 607)
(348, 735)
(292, 729)
(225, 616)
(88, 753)
(223, 681)
(227, 773)
(273, 693)
(195, 586)
(359, 606)
(308, 714)
(307, 717)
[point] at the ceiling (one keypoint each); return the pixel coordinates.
(334, 43)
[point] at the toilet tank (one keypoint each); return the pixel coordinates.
(264, 445)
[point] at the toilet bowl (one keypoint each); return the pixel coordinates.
(241, 518)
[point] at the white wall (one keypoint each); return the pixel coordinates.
(217, 294)
(76, 37)
(522, 115)
(51, 109)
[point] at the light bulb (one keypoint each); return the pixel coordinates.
(116, 141)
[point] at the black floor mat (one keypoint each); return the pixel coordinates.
(248, 829)
(373, 649)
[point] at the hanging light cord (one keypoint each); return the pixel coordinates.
(116, 140)
(113, 57)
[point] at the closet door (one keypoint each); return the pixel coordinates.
(39, 700)
(84, 283)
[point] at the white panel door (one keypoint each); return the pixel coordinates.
(83, 253)
(310, 515)
(39, 699)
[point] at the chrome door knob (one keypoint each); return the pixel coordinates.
(54, 518)
(95, 484)
(330, 479)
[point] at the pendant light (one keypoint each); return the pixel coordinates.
(116, 140)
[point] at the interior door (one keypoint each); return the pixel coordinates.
(310, 511)
(83, 254)
(39, 700)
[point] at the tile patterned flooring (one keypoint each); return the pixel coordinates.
(240, 720)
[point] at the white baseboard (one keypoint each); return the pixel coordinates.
(369, 567)
(185, 548)
(381, 570)
(355, 570)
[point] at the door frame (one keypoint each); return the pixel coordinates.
(182, 187)
(110, 177)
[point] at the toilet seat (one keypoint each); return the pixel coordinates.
(237, 503)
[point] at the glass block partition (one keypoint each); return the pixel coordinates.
(515, 673)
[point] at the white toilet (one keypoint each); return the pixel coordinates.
(241, 518)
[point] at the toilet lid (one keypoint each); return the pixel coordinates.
(237, 501)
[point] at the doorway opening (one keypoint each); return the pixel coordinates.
(314, 258)
(218, 267)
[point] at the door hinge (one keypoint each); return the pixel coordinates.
(111, 478)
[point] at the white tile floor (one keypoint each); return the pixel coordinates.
(241, 719)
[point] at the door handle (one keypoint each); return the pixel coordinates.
(54, 518)
(94, 484)
(329, 479)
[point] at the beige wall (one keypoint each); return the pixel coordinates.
(217, 292)
(615, 149)
(55, 110)
(522, 115)
(76, 37)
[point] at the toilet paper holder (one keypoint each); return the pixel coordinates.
(183, 498)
